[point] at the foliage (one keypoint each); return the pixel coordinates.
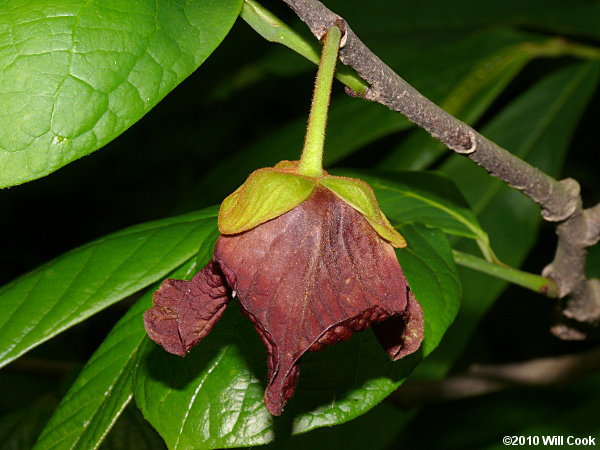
(80, 76)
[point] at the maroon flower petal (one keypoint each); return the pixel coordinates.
(402, 334)
(313, 276)
(185, 311)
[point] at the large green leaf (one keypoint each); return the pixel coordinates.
(105, 385)
(212, 398)
(74, 286)
(433, 278)
(76, 74)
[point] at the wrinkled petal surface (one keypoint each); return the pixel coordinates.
(402, 334)
(313, 276)
(184, 312)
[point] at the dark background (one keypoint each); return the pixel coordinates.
(239, 96)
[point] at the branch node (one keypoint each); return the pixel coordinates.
(564, 210)
(579, 315)
(592, 221)
(584, 306)
(566, 333)
(465, 143)
(341, 24)
(352, 93)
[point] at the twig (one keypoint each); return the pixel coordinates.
(560, 200)
(527, 280)
(485, 379)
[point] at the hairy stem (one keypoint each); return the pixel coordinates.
(527, 280)
(311, 161)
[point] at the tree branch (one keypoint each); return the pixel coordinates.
(559, 200)
(579, 314)
(484, 379)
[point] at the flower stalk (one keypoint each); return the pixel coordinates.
(311, 161)
(527, 280)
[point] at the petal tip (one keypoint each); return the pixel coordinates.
(281, 389)
(163, 332)
(402, 334)
(185, 311)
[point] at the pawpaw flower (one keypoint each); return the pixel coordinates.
(311, 261)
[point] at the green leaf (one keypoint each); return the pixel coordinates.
(429, 267)
(76, 285)
(105, 385)
(78, 73)
(213, 398)
(265, 195)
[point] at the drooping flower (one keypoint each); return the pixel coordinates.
(310, 264)
(309, 256)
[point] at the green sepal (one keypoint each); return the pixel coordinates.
(361, 197)
(265, 195)
(273, 191)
